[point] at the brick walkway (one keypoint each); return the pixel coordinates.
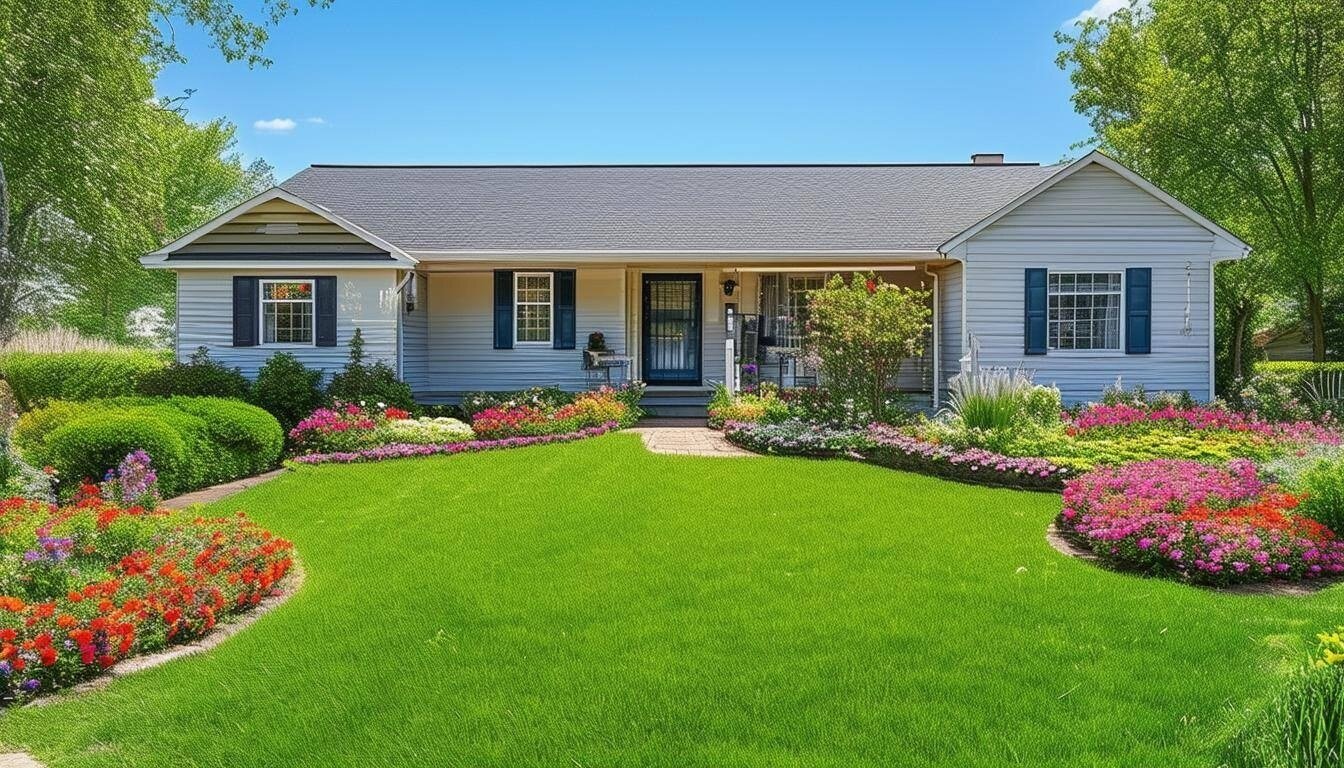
(217, 492)
(686, 440)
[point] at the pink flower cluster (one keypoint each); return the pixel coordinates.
(1100, 416)
(406, 450)
(1197, 522)
(894, 447)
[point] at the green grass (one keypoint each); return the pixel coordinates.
(595, 605)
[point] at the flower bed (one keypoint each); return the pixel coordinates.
(90, 584)
(405, 450)
(1200, 418)
(351, 427)
(894, 448)
(588, 409)
(1198, 523)
(794, 437)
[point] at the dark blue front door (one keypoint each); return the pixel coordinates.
(671, 336)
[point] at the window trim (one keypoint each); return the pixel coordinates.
(550, 287)
(262, 301)
(1118, 350)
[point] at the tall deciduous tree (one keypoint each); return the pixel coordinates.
(93, 169)
(1236, 106)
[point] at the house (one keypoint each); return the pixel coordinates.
(492, 277)
(1287, 342)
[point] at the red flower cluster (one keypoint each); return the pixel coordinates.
(99, 583)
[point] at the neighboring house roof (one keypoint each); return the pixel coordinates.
(672, 208)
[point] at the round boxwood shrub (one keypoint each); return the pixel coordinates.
(39, 377)
(214, 440)
(88, 446)
(249, 439)
(287, 389)
(199, 376)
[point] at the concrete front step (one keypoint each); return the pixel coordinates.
(677, 403)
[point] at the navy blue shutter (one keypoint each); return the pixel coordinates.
(564, 309)
(324, 300)
(1138, 310)
(503, 309)
(245, 301)
(1034, 328)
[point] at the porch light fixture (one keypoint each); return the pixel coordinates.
(729, 286)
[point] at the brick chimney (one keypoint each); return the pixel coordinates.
(987, 158)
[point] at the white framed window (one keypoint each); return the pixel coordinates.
(1085, 310)
(287, 312)
(533, 307)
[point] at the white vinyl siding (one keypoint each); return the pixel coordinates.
(277, 228)
(461, 353)
(364, 299)
(415, 337)
(1095, 221)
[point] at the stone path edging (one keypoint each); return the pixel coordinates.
(688, 441)
(217, 492)
(1063, 545)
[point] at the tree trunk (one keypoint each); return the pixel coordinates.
(9, 288)
(1316, 314)
(1240, 318)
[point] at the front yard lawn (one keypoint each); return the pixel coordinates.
(591, 604)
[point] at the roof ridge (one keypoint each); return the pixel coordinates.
(563, 166)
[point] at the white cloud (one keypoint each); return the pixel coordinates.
(275, 125)
(1102, 9)
(315, 120)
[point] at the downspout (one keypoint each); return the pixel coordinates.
(937, 358)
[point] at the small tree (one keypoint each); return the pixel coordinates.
(862, 332)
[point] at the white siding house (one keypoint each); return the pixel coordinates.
(491, 278)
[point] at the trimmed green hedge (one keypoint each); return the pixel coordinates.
(40, 377)
(192, 441)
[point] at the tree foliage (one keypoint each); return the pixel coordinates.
(863, 331)
(1237, 107)
(94, 170)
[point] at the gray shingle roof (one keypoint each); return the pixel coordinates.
(666, 208)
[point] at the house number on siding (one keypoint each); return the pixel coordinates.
(351, 298)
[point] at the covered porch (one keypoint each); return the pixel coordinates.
(682, 327)
(753, 322)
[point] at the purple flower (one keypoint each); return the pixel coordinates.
(30, 685)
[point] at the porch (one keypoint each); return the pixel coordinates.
(682, 328)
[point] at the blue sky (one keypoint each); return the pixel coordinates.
(603, 82)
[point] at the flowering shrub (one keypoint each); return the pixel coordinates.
(794, 437)
(85, 586)
(589, 409)
(894, 448)
(1199, 523)
(348, 427)
(406, 450)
